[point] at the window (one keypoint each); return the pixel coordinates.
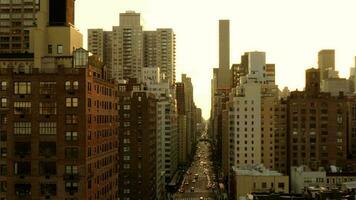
(71, 136)
(4, 102)
(126, 166)
(3, 186)
(126, 158)
(126, 191)
(126, 107)
(22, 88)
(71, 119)
(281, 185)
(3, 85)
(3, 152)
(49, 49)
(71, 186)
(71, 102)
(22, 107)
(22, 168)
(47, 87)
(48, 108)
(71, 85)
(22, 128)
(59, 49)
(71, 152)
(48, 128)
(71, 169)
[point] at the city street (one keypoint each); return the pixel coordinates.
(198, 180)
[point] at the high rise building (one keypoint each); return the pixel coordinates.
(189, 106)
(280, 137)
(326, 62)
(58, 128)
(182, 124)
(224, 44)
(159, 51)
(100, 44)
(96, 42)
(317, 125)
(137, 142)
(224, 55)
(127, 47)
(17, 17)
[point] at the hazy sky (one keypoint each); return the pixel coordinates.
(291, 32)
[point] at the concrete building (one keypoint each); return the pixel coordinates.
(127, 47)
(251, 113)
(137, 142)
(317, 126)
(302, 178)
(255, 179)
(245, 125)
(336, 85)
(16, 19)
(62, 125)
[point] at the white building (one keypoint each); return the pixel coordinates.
(167, 135)
(302, 178)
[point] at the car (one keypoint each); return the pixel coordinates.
(193, 181)
(186, 183)
(201, 198)
(192, 189)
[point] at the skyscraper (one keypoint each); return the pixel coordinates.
(326, 62)
(100, 44)
(224, 55)
(127, 47)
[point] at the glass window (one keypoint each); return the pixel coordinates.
(3, 85)
(22, 128)
(48, 108)
(71, 102)
(71, 169)
(23, 107)
(71, 153)
(22, 87)
(3, 102)
(71, 119)
(49, 49)
(48, 128)
(71, 136)
(47, 87)
(59, 49)
(75, 85)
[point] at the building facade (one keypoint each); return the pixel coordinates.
(59, 147)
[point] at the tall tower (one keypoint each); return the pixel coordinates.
(224, 44)
(224, 55)
(127, 43)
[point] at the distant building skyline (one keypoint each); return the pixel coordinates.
(291, 40)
